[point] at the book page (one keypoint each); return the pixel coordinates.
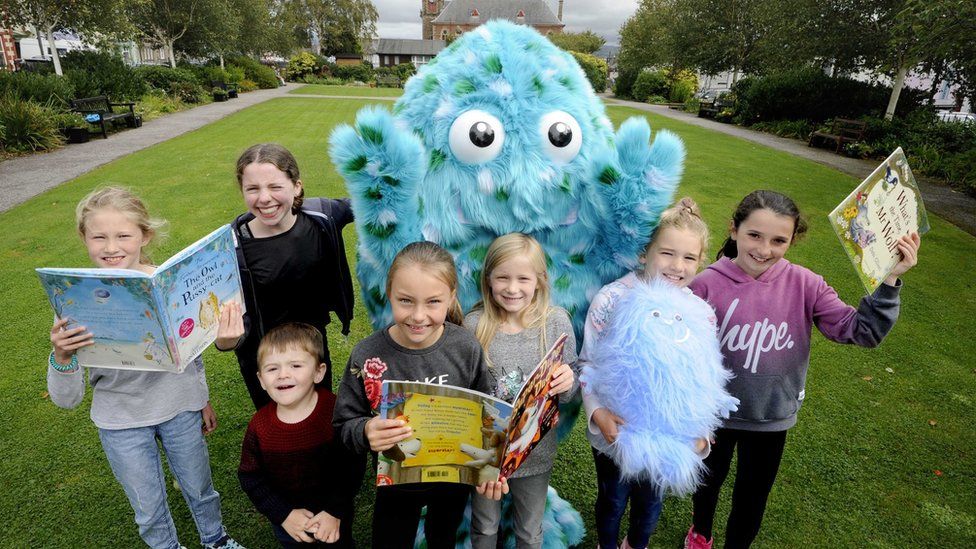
(883, 208)
(119, 309)
(458, 434)
(194, 285)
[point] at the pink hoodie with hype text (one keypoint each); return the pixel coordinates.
(764, 328)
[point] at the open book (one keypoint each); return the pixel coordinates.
(157, 322)
(464, 436)
(883, 208)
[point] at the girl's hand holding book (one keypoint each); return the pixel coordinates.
(493, 490)
(67, 341)
(908, 246)
(231, 327)
(382, 434)
(562, 380)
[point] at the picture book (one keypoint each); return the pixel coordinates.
(158, 322)
(883, 208)
(464, 436)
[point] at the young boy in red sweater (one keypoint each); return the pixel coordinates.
(292, 467)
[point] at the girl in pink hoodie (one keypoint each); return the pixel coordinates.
(766, 308)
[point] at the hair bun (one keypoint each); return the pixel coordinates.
(689, 206)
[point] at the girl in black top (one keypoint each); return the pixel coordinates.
(291, 256)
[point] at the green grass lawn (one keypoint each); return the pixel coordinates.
(879, 458)
(349, 91)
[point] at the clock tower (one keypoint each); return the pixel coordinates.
(429, 10)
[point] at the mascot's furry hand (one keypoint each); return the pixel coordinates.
(659, 368)
(500, 133)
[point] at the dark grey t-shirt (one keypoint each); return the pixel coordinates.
(455, 359)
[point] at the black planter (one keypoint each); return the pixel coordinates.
(220, 98)
(232, 94)
(77, 135)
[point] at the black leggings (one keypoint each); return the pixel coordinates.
(759, 458)
(396, 514)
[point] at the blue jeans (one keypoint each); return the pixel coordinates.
(134, 457)
(611, 502)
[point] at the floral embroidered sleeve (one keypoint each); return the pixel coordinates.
(358, 401)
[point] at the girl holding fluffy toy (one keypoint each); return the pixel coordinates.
(767, 308)
(515, 325)
(653, 385)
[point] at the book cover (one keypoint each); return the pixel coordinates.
(464, 436)
(884, 207)
(158, 322)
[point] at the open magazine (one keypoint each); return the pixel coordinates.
(884, 207)
(465, 436)
(156, 322)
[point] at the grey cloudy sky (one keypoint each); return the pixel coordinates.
(401, 18)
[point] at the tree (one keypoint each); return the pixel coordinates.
(333, 26)
(105, 17)
(582, 42)
(163, 22)
(646, 41)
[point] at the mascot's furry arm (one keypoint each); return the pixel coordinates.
(380, 165)
(659, 368)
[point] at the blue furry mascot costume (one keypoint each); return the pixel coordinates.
(502, 133)
(660, 370)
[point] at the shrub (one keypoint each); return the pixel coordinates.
(692, 105)
(254, 71)
(246, 85)
(624, 85)
(98, 73)
(301, 65)
(649, 83)
(179, 82)
(596, 70)
(155, 104)
(797, 129)
(361, 72)
(28, 126)
(53, 90)
(807, 93)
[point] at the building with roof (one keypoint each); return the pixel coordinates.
(389, 52)
(445, 19)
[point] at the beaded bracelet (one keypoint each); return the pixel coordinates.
(65, 368)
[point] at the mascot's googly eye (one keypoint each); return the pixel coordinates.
(656, 313)
(561, 136)
(476, 137)
(677, 317)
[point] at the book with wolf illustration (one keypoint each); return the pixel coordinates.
(884, 207)
(464, 436)
(158, 322)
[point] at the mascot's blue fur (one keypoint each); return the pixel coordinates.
(501, 133)
(411, 178)
(660, 370)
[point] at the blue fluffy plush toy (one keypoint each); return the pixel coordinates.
(502, 132)
(658, 367)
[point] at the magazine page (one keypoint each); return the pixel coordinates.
(458, 434)
(534, 411)
(118, 307)
(194, 284)
(883, 208)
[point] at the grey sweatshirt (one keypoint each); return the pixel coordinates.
(511, 358)
(125, 399)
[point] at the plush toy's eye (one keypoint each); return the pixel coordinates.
(656, 313)
(677, 317)
(476, 137)
(561, 136)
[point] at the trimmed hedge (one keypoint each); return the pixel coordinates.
(362, 72)
(49, 90)
(649, 83)
(596, 70)
(809, 94)
(94, 73)
(254, 71)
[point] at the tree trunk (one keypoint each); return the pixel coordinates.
(896, 87)
(54, 52)
(171, 54)
(221, 61)
(40, 43)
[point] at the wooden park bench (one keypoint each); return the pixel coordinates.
(231, 89)
(710, 109)
(105, 113)
(842, 130)
(388, 80)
